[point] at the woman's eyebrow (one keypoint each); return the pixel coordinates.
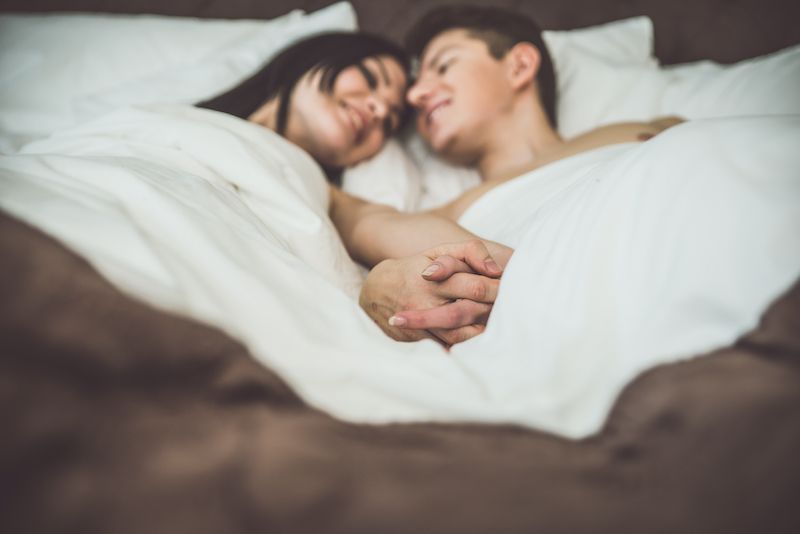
(384, 72)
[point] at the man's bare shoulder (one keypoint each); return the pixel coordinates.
(624, 132)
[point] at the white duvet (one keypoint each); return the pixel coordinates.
(627, 257)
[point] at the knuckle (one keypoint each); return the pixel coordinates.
(483, 314)
(450, 262)
(463, 334)
(476, 290)
(454, 315)
(475, 245)
(492, 284)
(458, 337)
(446, 262)
(448, 337)
(459, 278)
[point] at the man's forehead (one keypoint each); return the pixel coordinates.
(457, 37)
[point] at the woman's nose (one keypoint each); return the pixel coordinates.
(378, 107)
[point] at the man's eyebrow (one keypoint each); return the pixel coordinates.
(435, 59)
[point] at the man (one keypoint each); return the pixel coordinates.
(485, 96)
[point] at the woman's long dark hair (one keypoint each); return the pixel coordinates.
(328, 53)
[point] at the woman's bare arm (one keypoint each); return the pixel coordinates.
(374, 232)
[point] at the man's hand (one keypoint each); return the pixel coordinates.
(445, 293)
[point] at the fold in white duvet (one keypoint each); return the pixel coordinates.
(627, 257)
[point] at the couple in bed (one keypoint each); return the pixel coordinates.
(484, 95)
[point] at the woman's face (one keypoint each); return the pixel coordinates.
(351, 123)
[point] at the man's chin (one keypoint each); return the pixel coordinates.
(442, 145)
(448, 150)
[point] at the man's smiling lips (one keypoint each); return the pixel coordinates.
(433, 110)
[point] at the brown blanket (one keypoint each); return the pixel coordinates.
(119, 418)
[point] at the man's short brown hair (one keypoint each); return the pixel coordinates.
(500, 29)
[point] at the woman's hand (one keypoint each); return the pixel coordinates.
(446, 293)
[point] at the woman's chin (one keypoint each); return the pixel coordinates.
(330, 152)
(356, 155)
(342, 151)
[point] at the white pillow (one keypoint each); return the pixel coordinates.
(578, 55)
(623, 42)
(600, 93)
(767, 85)
(390, 177)
(589, 91)
(60, 70)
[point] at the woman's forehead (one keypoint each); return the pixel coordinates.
(389, 70)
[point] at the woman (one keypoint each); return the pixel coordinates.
(339, 96)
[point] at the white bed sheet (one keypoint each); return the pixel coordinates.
(626, 257)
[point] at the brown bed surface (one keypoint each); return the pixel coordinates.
(120, 418)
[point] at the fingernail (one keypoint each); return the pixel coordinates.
(397, 321)
(430, 269)
(492, 266)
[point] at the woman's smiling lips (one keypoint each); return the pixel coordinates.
(358, 121)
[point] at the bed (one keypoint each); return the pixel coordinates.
(158, 375)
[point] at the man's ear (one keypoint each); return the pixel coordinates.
(522, 62)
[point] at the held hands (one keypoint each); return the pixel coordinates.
(445, 293)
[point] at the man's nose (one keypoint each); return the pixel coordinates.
(418, 93)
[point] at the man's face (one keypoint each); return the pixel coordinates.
(460, 90)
